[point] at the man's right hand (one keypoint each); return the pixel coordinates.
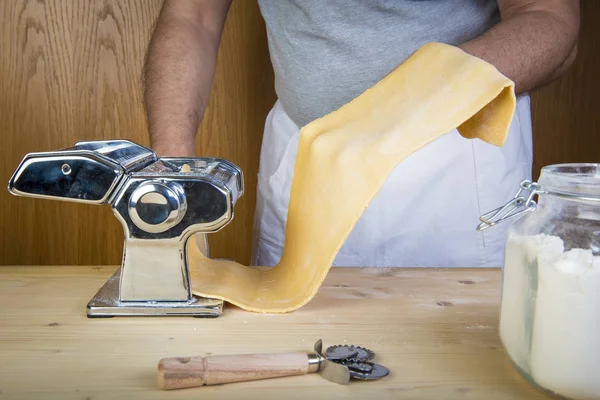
(179, 70)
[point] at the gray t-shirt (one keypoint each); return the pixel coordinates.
(327, 52)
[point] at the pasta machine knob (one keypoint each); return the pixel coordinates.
(157, 206)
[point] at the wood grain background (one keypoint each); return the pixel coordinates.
(566, 113)
(71, 70)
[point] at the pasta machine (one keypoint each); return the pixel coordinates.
(161, 204)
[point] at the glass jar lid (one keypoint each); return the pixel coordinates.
(578, 182)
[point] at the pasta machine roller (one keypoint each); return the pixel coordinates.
(161, 204)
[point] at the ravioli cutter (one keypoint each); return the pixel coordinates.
(160, 202)
(338, 364)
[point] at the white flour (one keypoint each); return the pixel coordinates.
(553, 334)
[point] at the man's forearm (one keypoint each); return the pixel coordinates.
(534, 43)
(178, 76)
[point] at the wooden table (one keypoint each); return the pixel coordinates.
(436, 330)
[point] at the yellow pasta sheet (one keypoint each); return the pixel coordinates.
(345, 157)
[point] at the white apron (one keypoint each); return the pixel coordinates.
(424, 215)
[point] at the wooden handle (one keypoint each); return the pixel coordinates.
(179, 373)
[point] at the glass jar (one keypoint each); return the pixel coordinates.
(550, 306)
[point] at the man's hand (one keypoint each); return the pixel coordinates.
(179, 70)
(535, 42)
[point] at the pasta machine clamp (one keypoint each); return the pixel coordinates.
(161, 204)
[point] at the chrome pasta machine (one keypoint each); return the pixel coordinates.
(161, 204)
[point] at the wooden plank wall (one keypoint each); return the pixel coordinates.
(566, 113)
(70, 70)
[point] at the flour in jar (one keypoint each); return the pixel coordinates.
(550, 316)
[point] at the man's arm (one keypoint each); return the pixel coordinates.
(535, 42)
(179, 70)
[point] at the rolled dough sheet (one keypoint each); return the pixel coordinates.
(345, 157)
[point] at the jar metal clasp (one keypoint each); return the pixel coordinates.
(522, 202)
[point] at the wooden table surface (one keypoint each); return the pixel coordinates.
(435, 329)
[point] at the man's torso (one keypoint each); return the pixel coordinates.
(327, 52)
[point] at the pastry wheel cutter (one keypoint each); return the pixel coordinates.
(161, 204)
(337, 364)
